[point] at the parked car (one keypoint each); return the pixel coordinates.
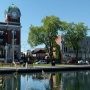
(41, 62)
(73, 61)
(80, 62)
(83, 62)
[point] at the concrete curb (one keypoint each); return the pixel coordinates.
(8, 70)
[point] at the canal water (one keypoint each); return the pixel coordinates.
(69, 80)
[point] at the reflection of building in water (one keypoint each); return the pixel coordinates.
(10, 44)
(76, 80)
(10, 82)
(1, 83)
(70, 81)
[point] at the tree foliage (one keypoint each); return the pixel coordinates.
(74, 34)
(48, 31)
(35, 35)
(45, 34)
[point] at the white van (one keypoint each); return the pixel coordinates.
(41, 62)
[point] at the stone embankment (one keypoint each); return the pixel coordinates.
(35, 69)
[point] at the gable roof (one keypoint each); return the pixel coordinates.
(39, 50)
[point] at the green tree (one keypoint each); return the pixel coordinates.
(51, 25)
(74, 33)
(35, 36)
(45, 34)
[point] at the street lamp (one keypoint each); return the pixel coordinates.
(6, 47)
(13, 43)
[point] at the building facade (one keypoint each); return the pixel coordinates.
(84, 51)
(10, 35)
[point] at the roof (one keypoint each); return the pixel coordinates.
(13, 8)
(39, 50)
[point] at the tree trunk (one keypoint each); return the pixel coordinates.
(59, 54)
(51, 51)
(76, 55)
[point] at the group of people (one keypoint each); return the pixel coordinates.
(27, 58)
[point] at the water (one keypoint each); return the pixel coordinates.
(77, 80)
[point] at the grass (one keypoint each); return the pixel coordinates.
(29, 65)
(21, 65)
(41, 64)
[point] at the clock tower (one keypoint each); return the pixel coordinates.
(10, 31)
(13, 14)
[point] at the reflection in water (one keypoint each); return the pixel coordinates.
(76, 80)
(55, 80)
(46, 81)
(10, 82)
(35, 82)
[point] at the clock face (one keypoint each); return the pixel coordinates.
(14, 14)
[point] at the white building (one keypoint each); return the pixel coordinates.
(84, 52)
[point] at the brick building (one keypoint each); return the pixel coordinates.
(10, 30)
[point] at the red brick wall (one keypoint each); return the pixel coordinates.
(8, 37)
(17, 37)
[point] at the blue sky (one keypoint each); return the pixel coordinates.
(34, 10)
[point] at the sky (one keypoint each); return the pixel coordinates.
(33, 11)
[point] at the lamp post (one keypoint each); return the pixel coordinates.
(6, 47)
(13, 43)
